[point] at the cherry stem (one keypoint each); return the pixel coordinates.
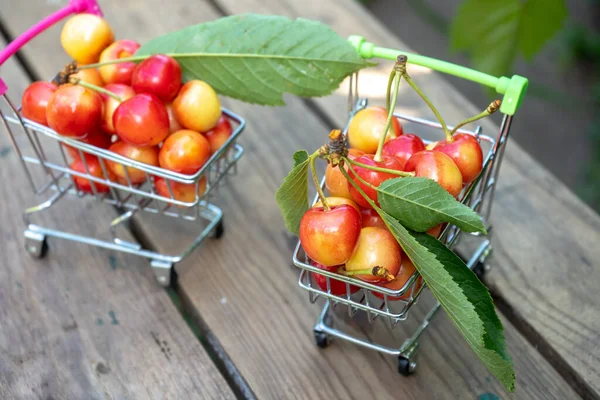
(390, 109)
(117, 61)
(402, 59)
(492, 108)
(91, 86)
(375, 271)
(313, 172)
(360, 178)
(379, 169)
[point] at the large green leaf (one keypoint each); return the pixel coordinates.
(257, 58)
(421, 203)
(292, 195)
(493, 32)
(461, 294)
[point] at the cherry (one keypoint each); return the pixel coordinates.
(185, 192)
(119, 72)
(403, 147)
(436, 230)
(336, 201)
(366, 128)
(466, 152)
(95, 138)
(219, 135)
(94, 168)
(336, 183)
(197, 106)
(74, 110)
(184, 151)
(34, 101)
(336, 287)
(407, 269)
(370, 217)
(84, 36)
(439, 167)
(158, 74)
(174, 125)
(328, 236)
(373, 177)
(89, 75)
(376, 247)
(142, 120)
(146, 155)
(110, 103)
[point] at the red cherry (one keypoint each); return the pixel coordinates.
(74, 110)
(403, 147)
(466, 152)
(373, 177)
(95, 170)
(370, 218)
(159, 75)
(35, 101)
(439, 167)
(218, 135)
(110, 104)
(407, 269)
(95, 138)
(329, 237)
(337, 287)
(142, 120)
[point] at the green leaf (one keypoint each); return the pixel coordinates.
(292, 195)
(461, 294)
(257, 58)
(493, 32)
(421, 203)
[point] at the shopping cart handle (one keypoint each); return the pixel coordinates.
(513, 89)
(74, 7)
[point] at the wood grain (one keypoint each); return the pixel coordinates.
(245, 289)
(85, 323)
(546, 264)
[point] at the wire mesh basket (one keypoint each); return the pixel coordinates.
(45, 156)
(393, 306)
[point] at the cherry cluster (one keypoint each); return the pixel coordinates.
(142, 111)
(343, 232)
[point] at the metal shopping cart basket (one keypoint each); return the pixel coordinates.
(45, 162)
(478, 195)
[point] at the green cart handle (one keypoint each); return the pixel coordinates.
(513, 89)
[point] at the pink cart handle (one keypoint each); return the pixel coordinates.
(74, 7)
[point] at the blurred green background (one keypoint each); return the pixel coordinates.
(554, 43)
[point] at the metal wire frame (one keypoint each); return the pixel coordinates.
(477, 195)
(125, 193)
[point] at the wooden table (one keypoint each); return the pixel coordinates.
(90, 323)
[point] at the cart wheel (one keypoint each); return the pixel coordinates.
(322, 339)
(405, 366)
(219, 230)
(37, 247)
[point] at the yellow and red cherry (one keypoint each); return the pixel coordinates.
(439, 167)
(35, 99)
(185, 192)
(184, 151)
(197, 106)
(367, 126)
(403, 147)
(219, 135)
(74, 111)
(372, 177)
(376, 247)
(335, 182)
(159, 75)
(466, 153)
(147, 155)
(84, 36)
(407, 269)
(142, 120)
(125, 92)
(119, 72)
(329, 236)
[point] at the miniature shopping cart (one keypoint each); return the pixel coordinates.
(478, 195)
(44, 159)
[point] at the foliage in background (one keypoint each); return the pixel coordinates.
(494, 33)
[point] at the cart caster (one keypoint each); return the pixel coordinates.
(406, 367)
(219, 230)
(36, 244)
(164, 272)
(322, 339)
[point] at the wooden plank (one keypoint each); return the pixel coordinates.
(85, 323)
(545, 264)
(245, 290)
